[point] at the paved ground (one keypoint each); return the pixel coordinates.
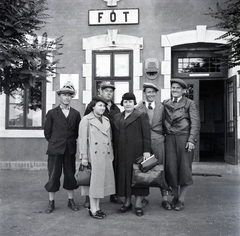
(212, 208)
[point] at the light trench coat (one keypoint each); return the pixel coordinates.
(95, 146)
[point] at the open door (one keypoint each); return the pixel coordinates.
(231, 122)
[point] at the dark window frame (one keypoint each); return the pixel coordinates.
(98, 79)
(25, 110)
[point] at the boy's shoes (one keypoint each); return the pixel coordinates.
(51, 206)
(72, 205)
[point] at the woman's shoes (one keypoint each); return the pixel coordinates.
(138, 211)
(97, 215)
(124, 209)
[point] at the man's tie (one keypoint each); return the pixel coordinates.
(149, 106)
(174, 100)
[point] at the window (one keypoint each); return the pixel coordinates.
(197, 61)
(198, 64)
(114, 67)
(25, 108)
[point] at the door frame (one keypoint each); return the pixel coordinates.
(195, 83)
(231, 157)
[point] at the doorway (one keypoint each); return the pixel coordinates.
(212, 134)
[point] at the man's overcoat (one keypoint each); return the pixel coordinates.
(61, 132)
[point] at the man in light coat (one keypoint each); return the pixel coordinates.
(155, 109)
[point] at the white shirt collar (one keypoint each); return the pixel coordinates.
(178, 99)
(152, 104)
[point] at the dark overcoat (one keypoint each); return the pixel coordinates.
(61, 132)
(131, 144)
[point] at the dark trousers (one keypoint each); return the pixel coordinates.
(58, 163)
(178, 163)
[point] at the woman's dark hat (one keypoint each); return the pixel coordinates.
(99, 99)
(179, 81)
(128, 96)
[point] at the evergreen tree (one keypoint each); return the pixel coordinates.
(228, 15)
(23, 59)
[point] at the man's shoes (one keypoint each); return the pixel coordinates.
(115, 199)
(124, 209)
(173, 202)
(51, 206)
(72, 205)
(166, 205)
(138, 211)
(179, 206)
(144, 202)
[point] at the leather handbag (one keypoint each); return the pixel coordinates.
(151, 178)
(148, 164)
(83, 175)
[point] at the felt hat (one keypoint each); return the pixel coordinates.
(104, 85)
(128, 96)
(179, 81)
(149, 85)
(67, 88)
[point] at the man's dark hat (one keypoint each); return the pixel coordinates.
(149, 85)
(179, 81)
(104, 85)
(99, 99)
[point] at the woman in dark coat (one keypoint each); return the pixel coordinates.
(131, 140)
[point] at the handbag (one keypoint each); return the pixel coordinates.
(147, 164)
(154, 177)
(151, 178)
(83, 175)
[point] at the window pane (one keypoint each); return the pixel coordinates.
(103, 65)
(122, 87)
(121, 65)
(16, 108)
(34, 116)
(201, 64)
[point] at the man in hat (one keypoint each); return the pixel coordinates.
(155, 109)
(106, 91)
(182, 126)
(61, 132)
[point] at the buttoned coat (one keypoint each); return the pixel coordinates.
(61, 132)
(95, 146)
(182, 118)
(156, 126)
(127, 148)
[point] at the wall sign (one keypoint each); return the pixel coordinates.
(113, 17)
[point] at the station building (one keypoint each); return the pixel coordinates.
(129, 42)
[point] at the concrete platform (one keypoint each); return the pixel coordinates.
(212, 208)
